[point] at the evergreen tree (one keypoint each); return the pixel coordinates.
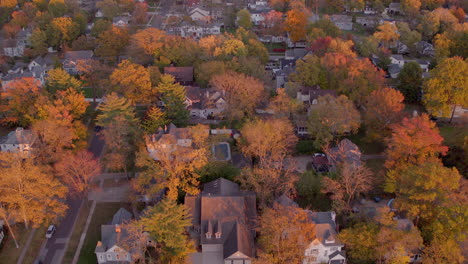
(173, 97)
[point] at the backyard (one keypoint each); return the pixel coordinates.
(10, 254)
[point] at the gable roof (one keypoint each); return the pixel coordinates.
(78, 55)
(121, 216)
(181, 74)
(19, 136)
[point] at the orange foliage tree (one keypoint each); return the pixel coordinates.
(295, 23)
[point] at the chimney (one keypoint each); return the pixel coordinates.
(19, 132)
(218, 231)
(99, 244)
(333, 216)
(210, 230)
(118, 229)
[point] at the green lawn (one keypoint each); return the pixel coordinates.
(309, 192)
(35, 246)
(454, 136)
(103, 214)
(10, 254)
(76, 234)
(89, 93)
(8, 251)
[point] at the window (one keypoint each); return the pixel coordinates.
(117, 256)
(101, 257)
(314, 251)
(333, 249)
(109, 256)
(326, 253)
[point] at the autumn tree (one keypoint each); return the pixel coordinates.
(333, 117)
(166, 224)
(59, 80)
(78, 171)
(100, 26)
(387, 33)
(243, 19)
(443, 251)
(133, 81)
(61, 31)
(282, 104)
(350, 182)
(109, 8)
(30, 190)
(146, 45)
(422, 188)
(383, 107)
(447, 87)
(172, 95)
(7, 217)
(285, 233)
(18, 101)
(96, 74)
(411, 7)
(57, 8)
(206, 70)
(136, 241)
(273, 23)
(407, 36)
(140, 15)
(179, 168)
(243, 93)
(295, 23)
(112, 42)
(410, 81)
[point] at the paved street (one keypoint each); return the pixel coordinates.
(54, 249)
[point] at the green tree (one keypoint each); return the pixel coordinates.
(57, 8)
(100, 26)
(59, 80)
(410, 81)
(112, 107)
(109, 8)
(173, 97)
(360, 241)
(243, 19)
(166, 224)
(407, 36)
(155, 118)
(333, 117)
(447, 87)
(38, 41)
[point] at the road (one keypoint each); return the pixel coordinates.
(54, 249)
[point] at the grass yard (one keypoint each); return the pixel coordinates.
(454, 136)
(35, 246)
(76, 234)
(8, 251)
(103, 214)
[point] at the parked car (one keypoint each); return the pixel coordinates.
(50, 231)
(97, 128)
(319, 155)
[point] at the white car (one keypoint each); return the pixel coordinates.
(319, 155)
(50, 231)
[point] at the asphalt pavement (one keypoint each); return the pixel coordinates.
(54, 249)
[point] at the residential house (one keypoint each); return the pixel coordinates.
(168, 140)
(369, 10)
(369, 22)
(394, 9)
(296, 53)
(223, 223)
(182, 75)
(397, 59)
(36, 69)
(286, 67)
(257, 17)
(345, 152)
(343, 22)
(109, 249)
(2, 234)
(18, 141)
(301, 125)
(207, 104)
(320, 163)
(326, 247)
(73, 58)
(425, 48)
(258, 5)
(309, 95)
(121, 21)
(198, 14)
(198, 29)
(394, 70)
(13, 47)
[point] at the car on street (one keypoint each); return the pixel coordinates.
(50, 231)
(97, 128)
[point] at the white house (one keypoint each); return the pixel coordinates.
(197, 14)
(112, 235)
(200, 30)
(343, 22)
(18, 141)
(257, 18)
(13, 48)
(397, 59)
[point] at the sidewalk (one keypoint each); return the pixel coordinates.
(26, 247)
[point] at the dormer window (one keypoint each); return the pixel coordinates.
(208, 235)
(218, 235)
(329, 240)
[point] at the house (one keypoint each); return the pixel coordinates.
(397, 59)
(223, 223)
(296, 53)
(13, 47)
(121, 21)
(394, 9)
(257, 17)
(109, 249)
(367, 21)
(345, 152)
(197, 14)
(73, 58)
(258, 5)
(343, 22)
(394, 70)
(309, 94)
(168, 140)
(301, 125)
(18, 141)
(182, 75)
(2, 233)
(369, 10)
(198, 29)
(325, 248)
(320, 163)
(425, 48)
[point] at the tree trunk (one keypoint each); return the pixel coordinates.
(453, 113)
(25, 220)
(11, 232)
